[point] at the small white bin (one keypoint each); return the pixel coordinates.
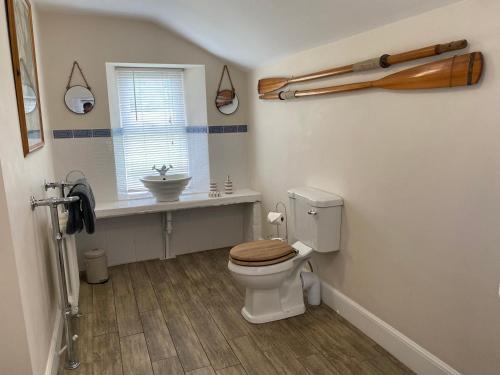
(96, 265)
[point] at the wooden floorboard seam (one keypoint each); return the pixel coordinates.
(199, 339)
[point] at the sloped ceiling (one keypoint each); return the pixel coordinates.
(252, 32)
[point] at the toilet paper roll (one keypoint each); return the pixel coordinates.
(274, 217)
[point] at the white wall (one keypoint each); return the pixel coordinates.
(29, 305)
(14, 356)
(136, 238)
(195, 93)
(419, 172)
(93, 40)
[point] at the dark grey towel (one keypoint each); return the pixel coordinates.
(81, 213)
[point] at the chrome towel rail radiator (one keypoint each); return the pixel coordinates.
(72, 361)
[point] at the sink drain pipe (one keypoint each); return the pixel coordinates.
(167, 228)
(311, 284)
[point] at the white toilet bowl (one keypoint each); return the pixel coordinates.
(270, 270)
(273, 292)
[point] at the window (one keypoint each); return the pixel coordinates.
(158, 116)
(152, 124)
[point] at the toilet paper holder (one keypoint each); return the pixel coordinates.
(277, 218)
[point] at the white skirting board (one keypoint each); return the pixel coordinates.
(403, 348)
(55, 343)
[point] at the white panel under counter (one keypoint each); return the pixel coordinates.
(134, 230)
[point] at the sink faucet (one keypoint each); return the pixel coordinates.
(163, 171)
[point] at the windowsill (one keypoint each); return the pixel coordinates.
(186, 201)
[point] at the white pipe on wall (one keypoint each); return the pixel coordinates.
(167, 228)
(310, 283)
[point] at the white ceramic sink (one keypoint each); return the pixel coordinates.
(166, 188)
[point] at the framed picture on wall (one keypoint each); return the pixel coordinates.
(22, 49)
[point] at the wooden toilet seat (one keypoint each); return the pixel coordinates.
(261, 253)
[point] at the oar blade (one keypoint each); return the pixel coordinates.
(452, 72)
(267, 85)
(477, 68)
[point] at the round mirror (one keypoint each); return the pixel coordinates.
(79, 100)
(227, 106)
(29, 97)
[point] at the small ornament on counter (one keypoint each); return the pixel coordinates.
(213, 193)
(228, 185)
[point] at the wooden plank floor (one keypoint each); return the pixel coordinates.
(182, 316)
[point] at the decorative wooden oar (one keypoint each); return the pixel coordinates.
(267, 85)
(463, 70)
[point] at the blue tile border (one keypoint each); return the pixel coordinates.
(99, 133)
(62, 133)
(82, 133)
(106, 132)
(231, 129)
(196, 129)
(215, 129)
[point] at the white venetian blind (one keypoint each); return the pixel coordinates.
(152, 124)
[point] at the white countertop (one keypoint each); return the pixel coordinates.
(150, 205)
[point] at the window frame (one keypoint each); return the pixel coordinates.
(114, 111)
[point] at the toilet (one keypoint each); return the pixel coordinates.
(272, 271)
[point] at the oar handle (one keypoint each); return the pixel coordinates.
(437, 49)
(321, 74)
(384, 61)
(452, 46)
(286, 95)
(333, 89)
